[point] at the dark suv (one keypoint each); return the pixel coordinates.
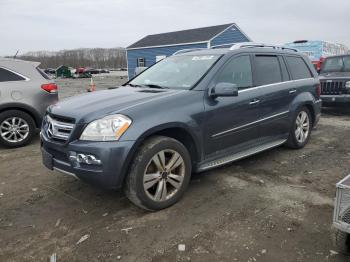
(335, 80)
(190, 112)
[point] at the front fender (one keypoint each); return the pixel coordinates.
(157, 130)
(192, 131)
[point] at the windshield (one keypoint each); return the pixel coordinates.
(336, 64)
(176, 72)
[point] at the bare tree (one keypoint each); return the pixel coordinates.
(83, 57)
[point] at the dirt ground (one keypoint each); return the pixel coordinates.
(275, 206)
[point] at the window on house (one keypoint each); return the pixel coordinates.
(141, 62)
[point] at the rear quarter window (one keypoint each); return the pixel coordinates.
(267, 70)
(298, 68)
(6, 76)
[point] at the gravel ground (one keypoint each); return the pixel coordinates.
(275, 206)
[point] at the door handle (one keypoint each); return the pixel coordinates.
(255, 101)
(292, 91)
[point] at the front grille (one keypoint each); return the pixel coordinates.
(58, 128)
(332, 87)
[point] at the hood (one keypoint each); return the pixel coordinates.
(89, 106)
(335, 75)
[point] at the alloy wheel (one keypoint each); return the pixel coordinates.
(14, 129)
(302, 127)
(164, 175)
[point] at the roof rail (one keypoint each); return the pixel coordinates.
(217, 46)
(188, 50)
(259, 45)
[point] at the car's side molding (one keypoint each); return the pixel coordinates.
(249, 124)
(274, 84)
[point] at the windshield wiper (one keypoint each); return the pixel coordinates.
(156, 86)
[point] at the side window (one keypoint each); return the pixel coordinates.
(285, 75)
(6, 75)
(267, 70)
(237, 71)
(141, 62)
(298, 68)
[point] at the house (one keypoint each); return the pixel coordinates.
(63, 71)
(153, 48)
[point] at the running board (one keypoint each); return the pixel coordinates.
(240, 155)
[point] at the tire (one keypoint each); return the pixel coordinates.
(144, 185)
(342, 242)
(294, 140)
(18, 133)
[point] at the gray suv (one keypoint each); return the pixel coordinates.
(191, 112)
(25, 93)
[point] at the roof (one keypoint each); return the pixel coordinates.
(16, 60)
(26, 69)
(61, 66)
(196, 35)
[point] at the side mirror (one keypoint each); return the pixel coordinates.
(224, 89)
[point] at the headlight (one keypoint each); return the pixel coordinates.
(109, 128)
(347, 84)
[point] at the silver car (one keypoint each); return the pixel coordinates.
(25, 93)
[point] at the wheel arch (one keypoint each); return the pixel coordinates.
(305, 99)
(176, 131)
(25, 108)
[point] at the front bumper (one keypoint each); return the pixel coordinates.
(335, 99)
(114, 157)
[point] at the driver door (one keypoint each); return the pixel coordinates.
(231, 121)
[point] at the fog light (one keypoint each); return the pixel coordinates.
(84, 158)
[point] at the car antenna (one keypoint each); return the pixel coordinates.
(15, 54)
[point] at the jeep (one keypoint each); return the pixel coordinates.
(335, 80)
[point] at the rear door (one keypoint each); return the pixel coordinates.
(271, 78)
(9, 83)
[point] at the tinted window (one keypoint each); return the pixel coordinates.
(237, 71)
(6, 75)
(298, 68)
(267, 70)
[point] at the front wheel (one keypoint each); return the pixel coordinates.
(301, 129)
(159, 174)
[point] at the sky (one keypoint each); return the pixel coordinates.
(67, 24)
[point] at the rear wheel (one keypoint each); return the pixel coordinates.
(16, 128)
(159, 174)
(301, 129)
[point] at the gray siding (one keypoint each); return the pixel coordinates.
(150, 54)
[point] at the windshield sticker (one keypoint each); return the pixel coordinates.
(204, 57)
